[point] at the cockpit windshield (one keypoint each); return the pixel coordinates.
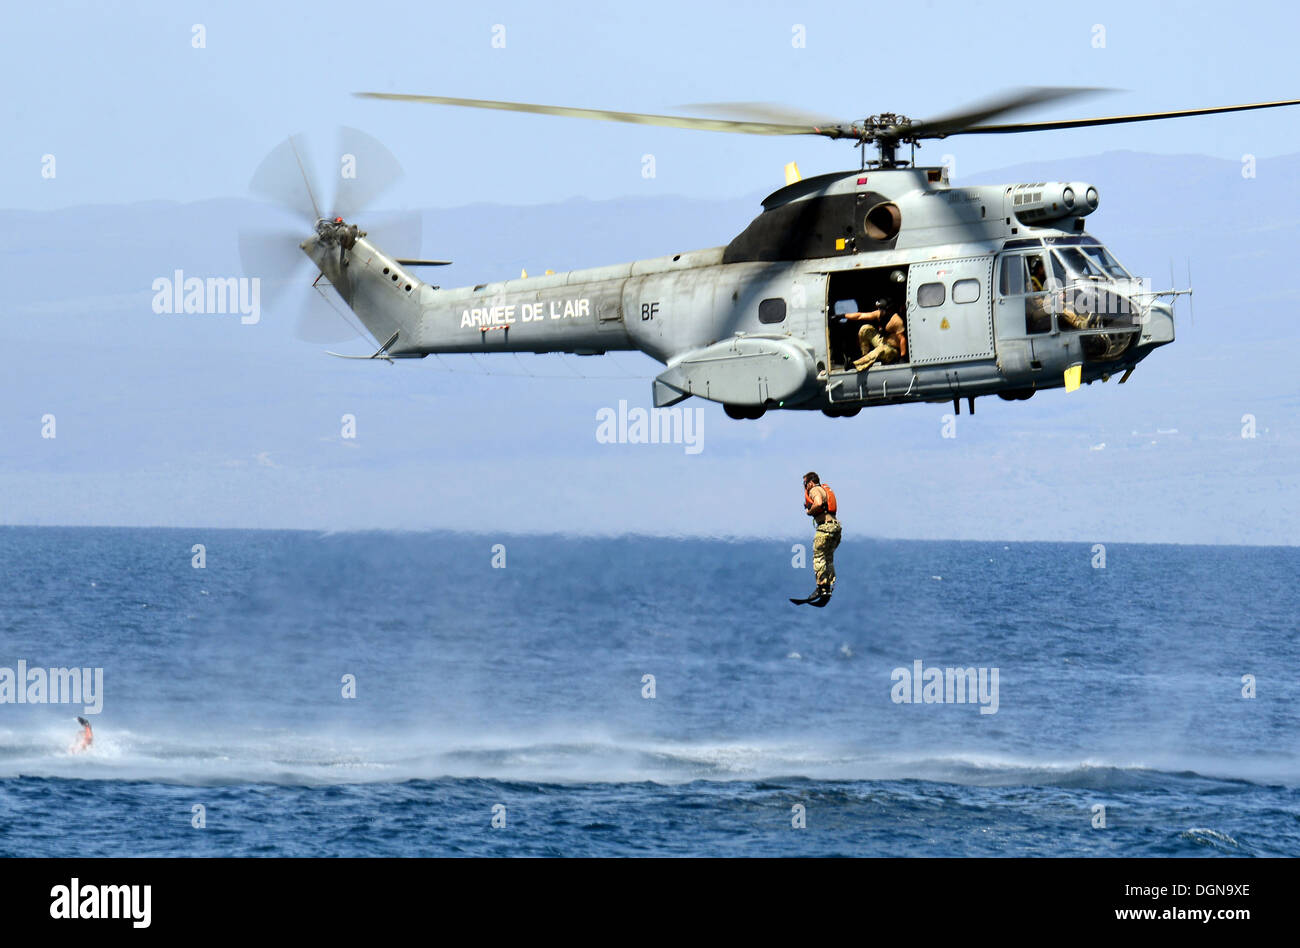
(1079, 264)
(1108, 263)
(1091, 262)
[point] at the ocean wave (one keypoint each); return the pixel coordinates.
(314, 759)
(1220, 842)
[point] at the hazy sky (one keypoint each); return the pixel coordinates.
(166, 420)
(132, 111)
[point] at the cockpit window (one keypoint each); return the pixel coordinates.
(1079, 264)
(1091, 262)
(1058, 269)
(1102, 258)
(1011, 281)
(1037, 317)
(1035, 273)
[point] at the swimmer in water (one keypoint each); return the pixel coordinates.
(85, 739)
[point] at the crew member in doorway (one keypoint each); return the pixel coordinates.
(882, 337)
(819, 503)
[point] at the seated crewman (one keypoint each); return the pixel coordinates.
(882, 337)
(1038, 318)
(1037, 275)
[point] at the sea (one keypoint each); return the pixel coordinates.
(286, 693)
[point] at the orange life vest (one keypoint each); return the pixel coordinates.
(830, 498)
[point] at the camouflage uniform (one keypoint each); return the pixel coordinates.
(825, 541)
(875, 347)
(1068, 319)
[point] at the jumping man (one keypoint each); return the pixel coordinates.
(819, 503)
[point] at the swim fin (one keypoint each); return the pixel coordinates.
(818, 598)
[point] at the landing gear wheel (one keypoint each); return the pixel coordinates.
(842, 412)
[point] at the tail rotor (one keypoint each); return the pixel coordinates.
(287, 178)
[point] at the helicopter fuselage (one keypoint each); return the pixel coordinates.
(1000, 288)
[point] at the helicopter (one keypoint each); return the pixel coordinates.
(987, 289)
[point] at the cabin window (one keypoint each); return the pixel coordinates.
(966, 291)
(930, 294)
(771, 311)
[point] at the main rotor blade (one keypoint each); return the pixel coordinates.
(634, 118)
(763, 119)
(366, 169)
(284, 177)
(1010, 101)
(1116, 119)
(768, 113)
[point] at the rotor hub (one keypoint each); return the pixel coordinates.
(338, 231)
